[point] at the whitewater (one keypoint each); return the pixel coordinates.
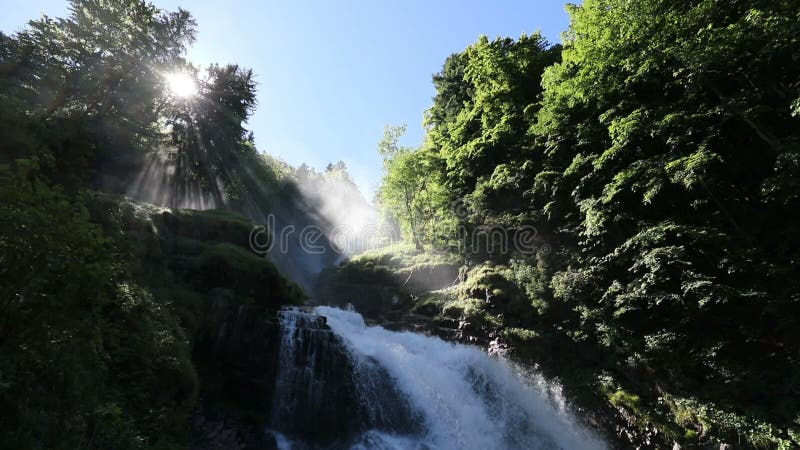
(463, 398)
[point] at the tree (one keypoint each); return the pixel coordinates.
(657, 152)
(96, 76)
(693, 130)
(486, 99)
(410, 191)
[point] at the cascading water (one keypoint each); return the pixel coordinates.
(359, 387)
(321, 395)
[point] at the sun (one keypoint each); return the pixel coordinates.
(181, 84)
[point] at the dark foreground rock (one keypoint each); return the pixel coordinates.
(287, 371)
(216, 432)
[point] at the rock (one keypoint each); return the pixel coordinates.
(229, 432)
(318, 396)
(432, 277)
(242, 361)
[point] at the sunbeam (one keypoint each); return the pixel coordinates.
(181, 84)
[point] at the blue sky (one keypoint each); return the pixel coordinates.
(331, 74)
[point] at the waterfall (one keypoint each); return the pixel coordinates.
(322, 396)
(342, 384)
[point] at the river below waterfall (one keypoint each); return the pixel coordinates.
(365, 387)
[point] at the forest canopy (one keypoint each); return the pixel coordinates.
(99, 306)
(656, 153)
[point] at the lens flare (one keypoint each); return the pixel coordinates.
(181, 84)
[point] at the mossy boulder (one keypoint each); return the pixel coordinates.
(249, 276)
(387, 281)
(188, 254)
(417, 271)
(373, 290)
(210, 225)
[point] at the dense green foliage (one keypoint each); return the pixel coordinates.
(101, 299)
(414, 200)
(657, 156)
(78, 334)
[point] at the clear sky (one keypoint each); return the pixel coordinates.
(331, 74)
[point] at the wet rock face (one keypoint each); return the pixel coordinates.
(314, 393)
(245, 357)
(220, 432)
(370, 300)
(322, 395)
(238, 358)
(287, 371)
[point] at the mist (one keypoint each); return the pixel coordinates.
(160, 182)
(314, 219)
(351, 222)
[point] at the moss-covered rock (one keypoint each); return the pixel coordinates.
(415, 270)
(187, 253)
(192, 272)
(209, 225)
